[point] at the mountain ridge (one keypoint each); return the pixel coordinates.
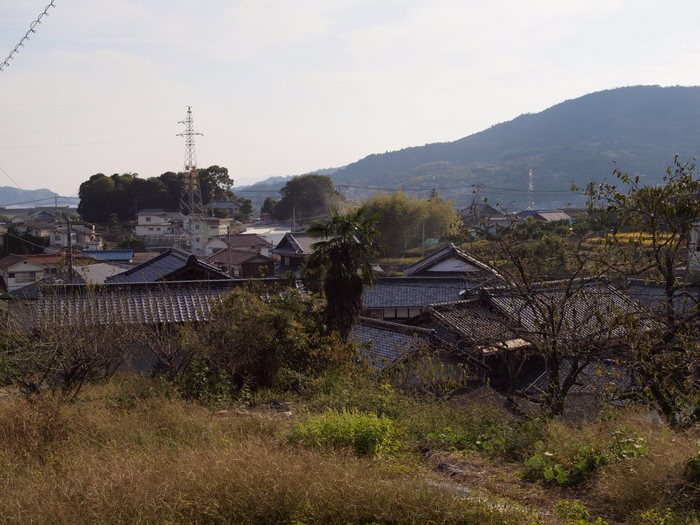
(637, 129)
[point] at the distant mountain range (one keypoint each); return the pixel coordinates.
(636, 129)
(18, 198)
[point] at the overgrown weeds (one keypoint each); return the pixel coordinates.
(132, 450)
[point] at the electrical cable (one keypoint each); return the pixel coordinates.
(32, 29)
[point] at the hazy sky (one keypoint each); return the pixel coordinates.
(288, 86)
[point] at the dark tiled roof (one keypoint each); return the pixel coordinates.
(245, 240)
(412, 292)
(141, 303)
(472, 321)
(585, 310)
(383, 343)
(167, 264)
(9, 260)
(296, 243)
(651, 296)
(238, 257)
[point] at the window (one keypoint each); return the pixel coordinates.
(148, 219)
(25, 277)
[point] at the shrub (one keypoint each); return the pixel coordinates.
(575, 513)
(574, 468)
(365, 433)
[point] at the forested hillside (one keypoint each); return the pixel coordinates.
(637, 129)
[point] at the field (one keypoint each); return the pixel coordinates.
(348, 450)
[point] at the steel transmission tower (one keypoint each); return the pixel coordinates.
(190, 195)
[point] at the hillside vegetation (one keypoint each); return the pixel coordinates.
(133, 450)
(631, 128)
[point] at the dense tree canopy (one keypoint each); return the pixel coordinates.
(405, 221)
(307, 197)
(102, 197)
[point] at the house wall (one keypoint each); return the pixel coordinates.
(22, 274)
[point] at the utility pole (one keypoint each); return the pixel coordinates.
(70, 250)
(228, 247)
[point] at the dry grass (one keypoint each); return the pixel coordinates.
(154, 459)
(132, 451)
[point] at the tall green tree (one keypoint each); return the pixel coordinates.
(215, 183)
(341, 260)
(307, 197)
(404, 221)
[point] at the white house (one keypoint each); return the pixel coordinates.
(158, 227)
(18, 271)
(205, 229)
(82, 237)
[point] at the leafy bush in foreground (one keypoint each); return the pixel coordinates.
(367, 434)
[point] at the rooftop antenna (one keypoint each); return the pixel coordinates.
(191, 196)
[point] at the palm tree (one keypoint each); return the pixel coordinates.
(341, 262)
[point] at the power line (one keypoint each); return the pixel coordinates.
(35, 200)
(32, 29)
(15, 182)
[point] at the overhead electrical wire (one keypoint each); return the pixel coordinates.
(32, 29)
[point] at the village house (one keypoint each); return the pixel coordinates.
(294, 249)
(241, 241)
(159, 228)
(228, 209)
(82, 237)
(440, 277)
(171, 265)
(243, 263)
(545, 215)
(17, 271)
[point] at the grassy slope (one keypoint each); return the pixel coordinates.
(131, 451)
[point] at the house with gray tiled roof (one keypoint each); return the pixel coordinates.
(383, 343)
(451, 261)
(241, 241)
(125, 303)
(403, 298)
(442, 276)
(243, 263)
(294, 248)
(171, 265)
(502, 328)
